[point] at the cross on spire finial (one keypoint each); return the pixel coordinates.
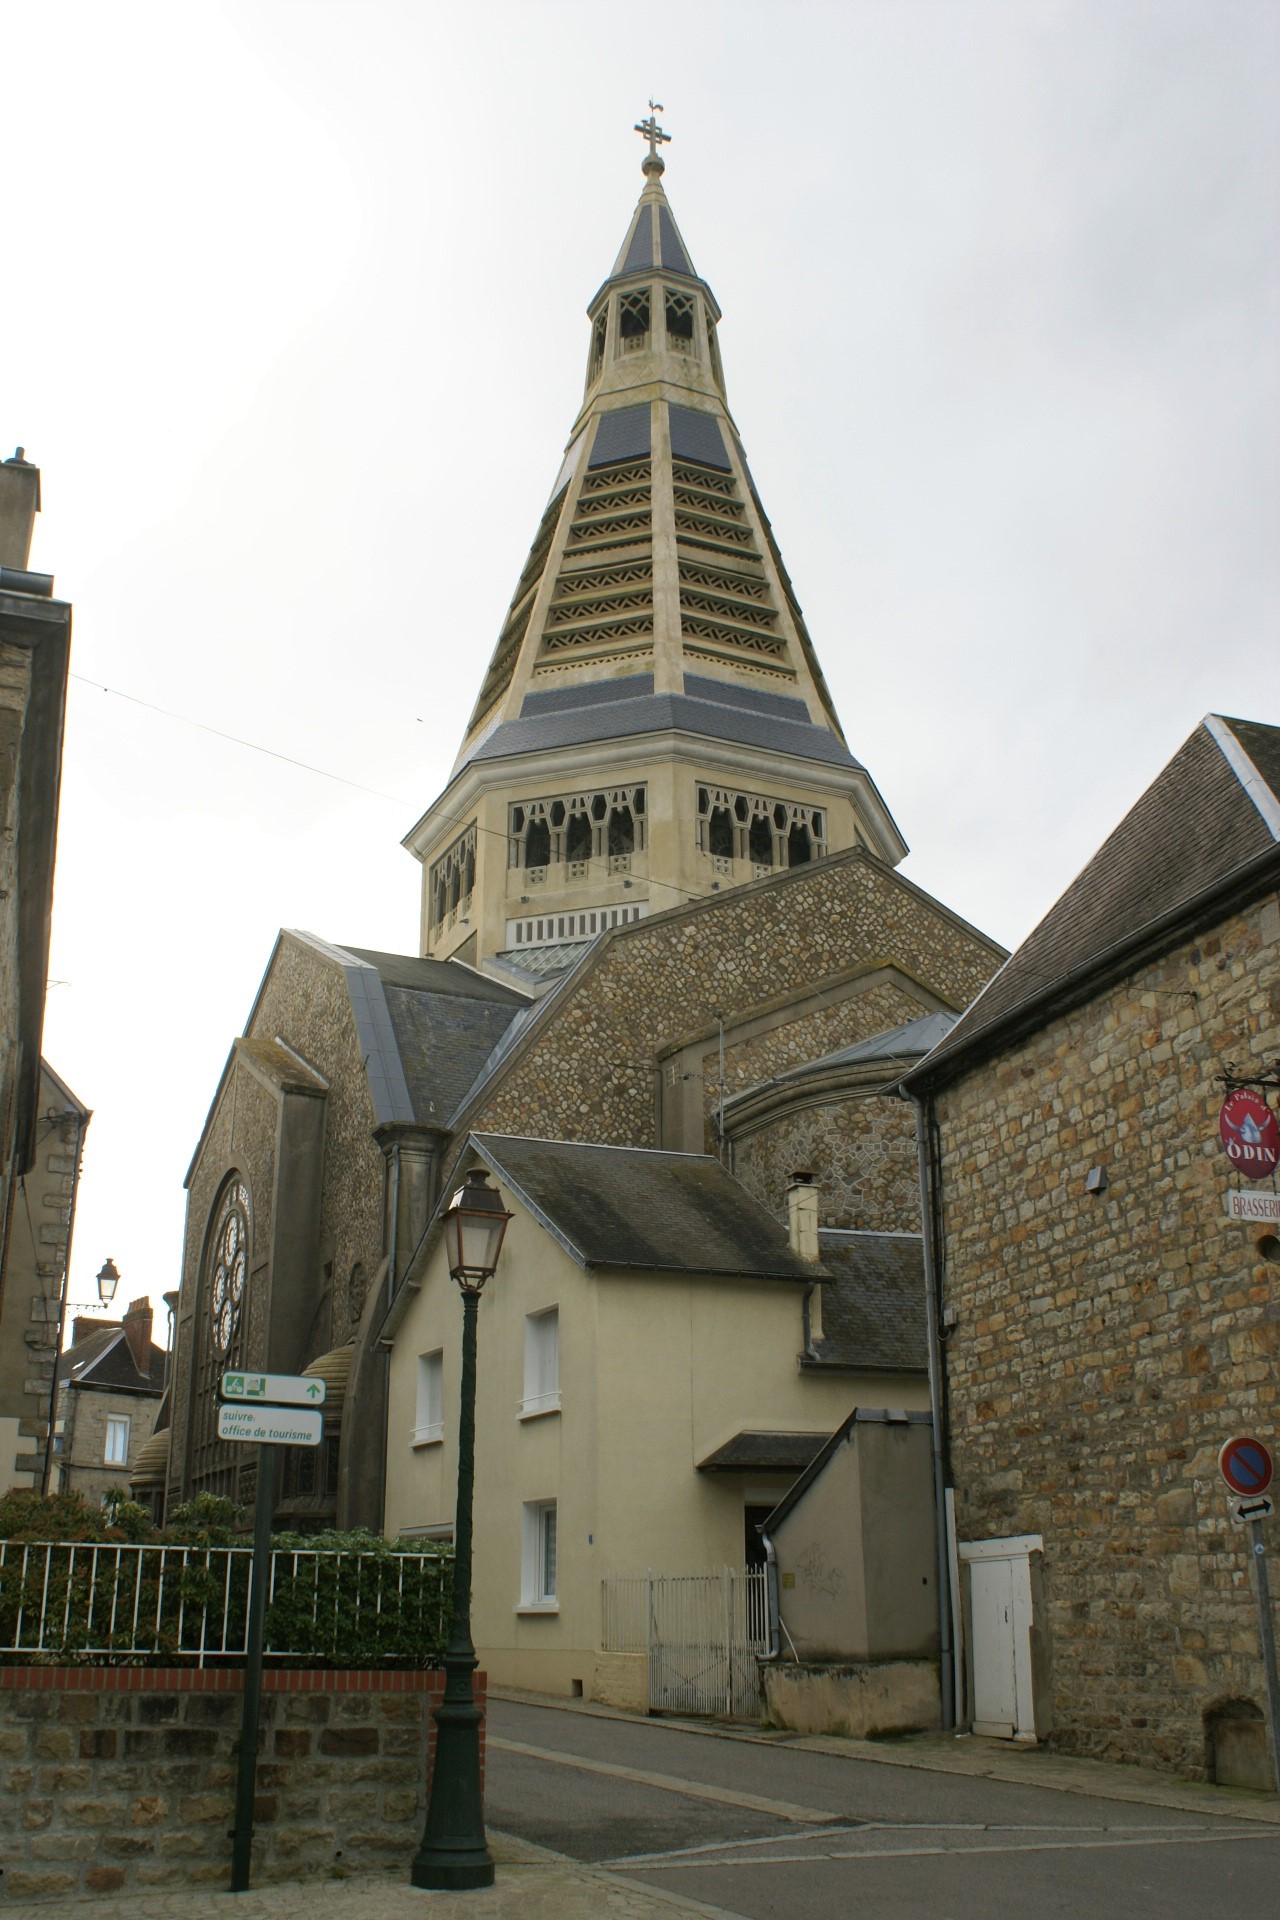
(654, 135)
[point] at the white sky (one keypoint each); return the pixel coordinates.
(293, 324)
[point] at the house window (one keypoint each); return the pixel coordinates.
(538, 1570)
(116, 1451)
(541, 1363)
(428, 1424)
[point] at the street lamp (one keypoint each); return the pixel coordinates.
(454, 1854)
(108, 1281)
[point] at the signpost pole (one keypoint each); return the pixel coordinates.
(1266, 1632)
(259, 1580)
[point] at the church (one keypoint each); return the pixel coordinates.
(665, 952)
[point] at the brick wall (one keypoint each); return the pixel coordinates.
(1107, 1344)
(124, 1777)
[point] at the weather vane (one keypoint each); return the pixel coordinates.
(652, 131)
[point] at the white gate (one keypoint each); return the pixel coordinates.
(703, 1633)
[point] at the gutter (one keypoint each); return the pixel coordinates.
(928, 1209)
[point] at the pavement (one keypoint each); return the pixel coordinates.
(536, 1883)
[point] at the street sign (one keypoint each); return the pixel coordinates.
(1245, 1465)
(1250, 1133)
(272, 1426)
(1253, 1206)
(1260, 1506)
(280, 1389)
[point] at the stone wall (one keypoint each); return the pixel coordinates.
(657, 985)
(39, 1232)
(81, 1462)
(124, 1777)
(1107, 1344)
(860, 1150)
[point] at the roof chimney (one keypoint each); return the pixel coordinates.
(85, 1325)
(802, 1216)
(19, 505)
(137, 1331)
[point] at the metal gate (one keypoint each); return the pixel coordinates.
(703, 1633)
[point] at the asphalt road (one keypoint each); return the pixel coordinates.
(762, 1829)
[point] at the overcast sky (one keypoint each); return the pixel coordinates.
(293, 324)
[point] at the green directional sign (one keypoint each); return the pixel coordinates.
(279, 1389)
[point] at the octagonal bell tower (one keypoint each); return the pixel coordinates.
(653, 724)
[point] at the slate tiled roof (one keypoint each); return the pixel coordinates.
(631, 1207)
(873, 1308)
(446, 1021)
(662, 713)
(105, 1360)
(750, 1452)
(1199, 823)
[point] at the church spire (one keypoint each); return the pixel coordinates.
(653, 723)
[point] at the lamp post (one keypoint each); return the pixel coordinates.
(454, 1854)
(108, 1278)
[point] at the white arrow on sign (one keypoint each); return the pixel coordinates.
(271, 1426)
(281, 1389)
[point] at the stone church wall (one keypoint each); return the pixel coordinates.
(860, 1151)
(656, 985)
(1106, 1344)
(305, 1002)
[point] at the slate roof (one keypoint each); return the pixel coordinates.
(105, 1360)
(632, 1207)
(916, 1037)
(722, 716)
(445, 1021)
(750, 1452)
(1211, 814)
(873, 1306)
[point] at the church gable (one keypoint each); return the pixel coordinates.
(791, 961)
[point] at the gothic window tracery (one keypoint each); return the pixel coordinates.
(453, 879)
(633, 320)
(572, 829)
(221, 1334)
(753, 826)
(599, 334)
(679, 321)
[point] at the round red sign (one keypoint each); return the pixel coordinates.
(1250, 1133)
(1245, 1465)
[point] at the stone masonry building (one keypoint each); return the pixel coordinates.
(660, 911)
(1110, 1324)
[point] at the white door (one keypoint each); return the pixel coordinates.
(995, 1692)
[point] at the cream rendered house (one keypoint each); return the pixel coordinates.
(651, 1366)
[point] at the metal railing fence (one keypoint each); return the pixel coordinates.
(119, 1601)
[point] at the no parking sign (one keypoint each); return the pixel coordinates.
(1245, 1465)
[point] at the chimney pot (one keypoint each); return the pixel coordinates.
(19, 505)
(802, 1216)
(137, 1331)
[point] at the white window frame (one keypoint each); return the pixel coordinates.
(541, 1364)
(110, 1458)
(428, 1422)
(539, 1539)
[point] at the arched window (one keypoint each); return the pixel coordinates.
(455, 888)
(622, 833)
(720, 834)
(760, 841)
(578, 840)
(799, 846)
(537, 846)
(221, 1334)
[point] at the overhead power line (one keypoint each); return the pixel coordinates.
(238, 740)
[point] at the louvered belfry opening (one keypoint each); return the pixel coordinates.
(653, 724)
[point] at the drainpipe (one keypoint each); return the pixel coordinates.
(772, 1606)
(928, 1210)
